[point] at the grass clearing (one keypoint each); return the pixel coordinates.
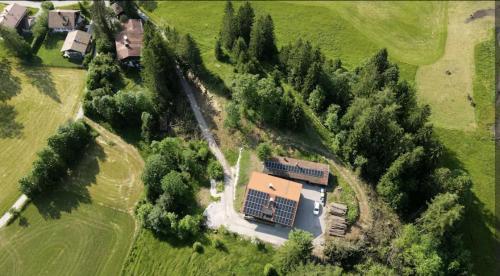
(34, 102)
(50, 52)
(150, 256)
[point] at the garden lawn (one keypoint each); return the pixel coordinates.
(150, 256)
(50, 52)
(34, 102)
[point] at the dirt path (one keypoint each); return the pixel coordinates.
(447, 83)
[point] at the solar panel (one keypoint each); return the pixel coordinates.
(285, 210)
(256, 200)
(294, 169)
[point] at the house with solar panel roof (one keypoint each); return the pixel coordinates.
(298, 170)
(272, 199)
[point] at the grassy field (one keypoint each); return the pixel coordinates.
(55, 237)
(152, 257)
(34, 101)
(84, 228)
(344, 30)
(50, 52)
(447, 83)
(474, 152)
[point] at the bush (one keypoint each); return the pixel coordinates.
(219, 187)
(87, 59)
(218, 243)
(47, 5)
(215, 170)
(269, 270)
(105, 46)
(197, 247)
(264, 151)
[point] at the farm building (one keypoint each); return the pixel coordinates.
(129, 43)
(65, 20)
(76, 44)
(272, 199)
(15, 16)
(311, 172)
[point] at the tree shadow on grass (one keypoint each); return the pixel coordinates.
(73, 190)
(478, 221)
(10, 85)
(9, 128)
(41, 78)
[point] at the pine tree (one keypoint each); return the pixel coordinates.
(189, 52)
(158, 72)
(228, 30)
(219, 55)
(262, 42)
(270, 49)
(245, 20)
(239, 50)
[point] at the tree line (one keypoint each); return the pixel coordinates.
(57, 159)
(248, 41)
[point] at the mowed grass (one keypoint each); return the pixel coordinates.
(110, 171)
(447, 84)
(87, 240)
(50, 54)
(34, 102)
(474, 151)
(414, 34)
(150, 256)
(84, 228)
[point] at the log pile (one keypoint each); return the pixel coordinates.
(339, 223)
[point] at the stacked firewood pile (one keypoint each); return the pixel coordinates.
(339, 223)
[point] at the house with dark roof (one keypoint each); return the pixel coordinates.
(117, 9)
(272, 199)
(76, 44)
(15, 16)
(298, 170)
(65, 20)
(128, 42)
